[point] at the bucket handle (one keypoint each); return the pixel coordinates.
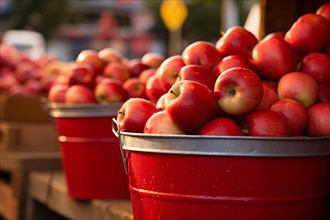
(117, 133)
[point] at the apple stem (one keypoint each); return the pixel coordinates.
(171, 91)
(232, 92)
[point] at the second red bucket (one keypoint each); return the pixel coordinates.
(90, 152)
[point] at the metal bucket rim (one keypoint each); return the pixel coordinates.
(226, 145)
(59, 110)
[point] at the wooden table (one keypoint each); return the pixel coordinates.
(48, 191)
(18, 166)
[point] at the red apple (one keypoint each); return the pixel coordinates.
(116, 70)
(190, 104)
(161, 123)
(169, 70)
(153, 88)
(220, 127)
(160, 104)
(145, 74)
(265, 123)
(57, 92)
(7, 81)
(79, 94)
(9, 56)
(317, 65)
(309, 33)
(91, 57)
(135, 88)
(110, 91)
(134, 113)
(274, 57)
(201, 53)
(197, 73)
(136, 67)
(299, 86)
(27, 70)
(324, 10)
(33, 87)
(153, 59)
(236, 40)
(109, 55)
(81, 73)
(319, 119)
(324, 92)
(277, 34)
(268, 98)
(238, 91)
(294, 113)
(231, 61)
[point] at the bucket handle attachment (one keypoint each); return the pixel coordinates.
(117, 133)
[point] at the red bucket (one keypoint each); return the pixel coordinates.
(90, 152)
(199, 177)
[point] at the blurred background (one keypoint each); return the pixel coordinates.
(132, 26)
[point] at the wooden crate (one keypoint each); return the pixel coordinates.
(15, 168)
(25, 136)
(279, 15)
(8, 204)
(50, 190)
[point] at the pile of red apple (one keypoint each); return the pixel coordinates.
(278, 86)
(21, 74)
(104, 76)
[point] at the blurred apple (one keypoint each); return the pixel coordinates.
(135, 88)
(136, 66)
(79, 94)
(153, 59)
(116, 70)
(145, 74)
(110, 91)
(109, 55)
(57, 92)
(91, 57)
(81, 73)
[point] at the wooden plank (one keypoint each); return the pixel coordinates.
(28, 161)
(8, 203)
(56, 198)
(28, 136)
(19, 165)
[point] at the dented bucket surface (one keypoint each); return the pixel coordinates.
(198, 177)
(91, 155)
